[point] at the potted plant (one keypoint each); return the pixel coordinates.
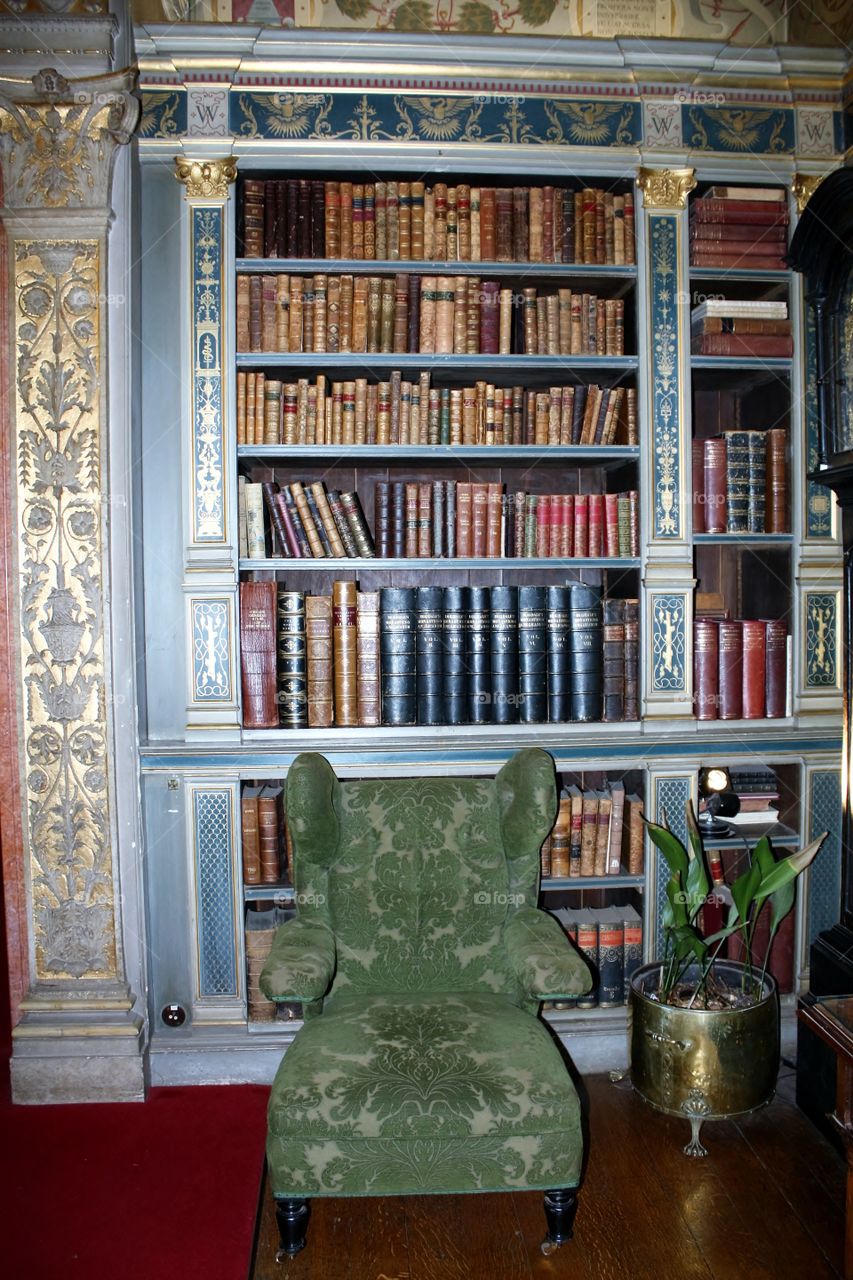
(704, 1029)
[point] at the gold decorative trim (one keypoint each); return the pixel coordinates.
(803, 187)
(206, 179)
(666, 188)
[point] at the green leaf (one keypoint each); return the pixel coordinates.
(780, 904)
(763, 855)
(476, 17)
(671, 848)
(697, 885)
(743, 892)
(687, 942)
(413, 15)
(787, 869)
(693, 832)
(675, 897)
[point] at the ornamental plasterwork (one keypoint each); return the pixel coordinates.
(666, 188)
(58, 138)
(206, 179)
(668, 643)
(803, 187)
(59, 514)
(665, 379)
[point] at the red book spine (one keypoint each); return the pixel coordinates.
(543, 525)
(754, 668)
(731, 670)
(479, 518)
(581, 525)
(557, 514)
(611, 524)
(567, 524)
(776, 668)
(718, 232)
(595, 504)
(705, 668)
(715, 485)
(699, 486)
(490, 314)
(494, 521)
(758, 211)
(742, 344)
(463, 520)
(258, 654)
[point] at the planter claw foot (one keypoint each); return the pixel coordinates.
(695, 1108)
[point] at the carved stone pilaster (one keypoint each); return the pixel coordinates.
(58, 145)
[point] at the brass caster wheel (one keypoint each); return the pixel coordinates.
(547, 1247)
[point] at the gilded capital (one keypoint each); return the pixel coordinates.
(59, 137)
(666, 188)
(206, 179)
(803, 187)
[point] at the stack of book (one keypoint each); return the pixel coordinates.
(399, 411)
(597, 833)
(436, 656)
(401, 220)
(428, 315)
(725, 327)
(304, 521)
(745, 227)
(611, 941)
(266, 853)
(740, 668)
(757, 789)
(740, 482)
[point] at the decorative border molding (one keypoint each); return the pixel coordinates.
(207, 249)
(212, 642)
(666, 373)
(821, 626)
(819, 503)
(668, 613)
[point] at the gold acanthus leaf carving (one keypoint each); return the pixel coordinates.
(206, 179)
(804, 186)
(666, 188)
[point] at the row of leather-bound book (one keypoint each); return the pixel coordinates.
(739, 227)
(740, 482)
(402, 220)
(436, 655)
(422, 315)
(740, 668)
(442, 519)
(598, 832)
(411, 412)
(611, 941)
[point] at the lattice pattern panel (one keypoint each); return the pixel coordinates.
(671, 796)
(825, 872)
(217, 953)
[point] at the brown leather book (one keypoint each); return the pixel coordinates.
(520, 224)
(494, 521)
(444, 311)
(308, 523)
(253, 218)
(250, 839)
(545, 859)
(706, 668)
(344, 631)
(258, 654)
(424, 517)
(754, 669)
(716, 512)
(602, 832)
(776, 659)
(776, 506)
(367, 650)
(479, 518)
(575, 830)
(318, 647)
(464, 539)
(561, 837)
(731, 670)
(333, 219)
(360, 307)
(346, 219)
(617, 820)
(632, 659)
(735, 344)
(636, 835)
(318, 489)
(269, 833)
(503, 224)
(411, 520)
(699, 486)
(487, 224)
(589, 832)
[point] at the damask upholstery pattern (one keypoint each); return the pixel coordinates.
(419, 943)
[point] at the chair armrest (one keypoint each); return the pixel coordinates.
(542, 958)
(301, 964)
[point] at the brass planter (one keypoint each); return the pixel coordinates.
(703, 1064)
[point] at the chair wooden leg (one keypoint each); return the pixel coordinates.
(560, 1209)
(292, 1218)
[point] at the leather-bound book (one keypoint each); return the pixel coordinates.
(776, 512)
(291, 242)
(589, 832)
(494, 521)
(258, 654)
(444, 308)
(595, 509)
(611, 957)
(532, 656)
(295, 520)
(490, 317)
(332, 214)
(358, 525)
(478, 656)
(313, 516)
(503, 630)
(476, 252)
(575, 797)
(454, 680)
(505, 318)
(399, 520)
(380, 233)
(345, 668)
(460, 315)
(346, 220)
(561, 837)
(636, 835)
(479, 518)
(585, 651)
(737, 481)
(243, 306)
(319, 652)
(429, 643)
(416, 198)
(754, 668)
(250, 838)
(318, 491)
(411, 545)
(269, 220)
(488, 216)
(297, 296)
(698, 486)
(291, 660)
(303, 219)
(503, 224)
(755, 510)
(413, 332)
(358, 220)
(397, 649)
(587, 944)
(270, 492)
(318, 218)
(731, 670)
(386, 318)
(269, 833)
(614, 659)
(463, 222)
(557, 650)
(437, 519)
(253, 218)
(256, 314)
(706, 666)
(715, 472)
(367, 652)
(382, 518)
(632, 659)
(342, 524)
(423, 549)
(776, 672)
(520, 224)
(452, 226)
(450, 519)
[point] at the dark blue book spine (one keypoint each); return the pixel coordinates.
(398, 655)
(454, 677)
(532, 655)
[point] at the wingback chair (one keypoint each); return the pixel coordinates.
(421, 959)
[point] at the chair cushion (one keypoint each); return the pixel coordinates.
(417, 1093)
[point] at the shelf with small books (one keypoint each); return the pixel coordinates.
(375, 566)
(515, 455)
(623, 274)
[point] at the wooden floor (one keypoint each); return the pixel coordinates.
(766, 1204)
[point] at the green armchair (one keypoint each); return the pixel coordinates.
(420, 958)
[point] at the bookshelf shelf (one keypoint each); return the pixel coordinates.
(376, 564)
(745, 539)
(522, 455)
(577, 884)
(777, 832)
(745, 364)
(419, 360)
(385, 266)
(741, 273)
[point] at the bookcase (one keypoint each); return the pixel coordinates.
(199, 752)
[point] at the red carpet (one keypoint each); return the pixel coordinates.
(153, 1191)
